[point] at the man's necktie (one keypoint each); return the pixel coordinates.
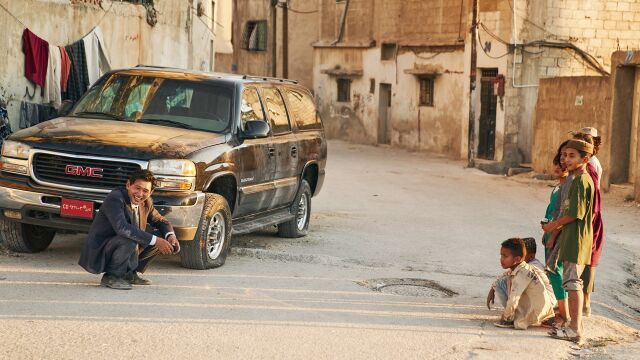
(136, 216)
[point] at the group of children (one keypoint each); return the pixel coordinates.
(558, 293)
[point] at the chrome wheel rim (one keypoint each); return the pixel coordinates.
(215, 236)
(303, 208)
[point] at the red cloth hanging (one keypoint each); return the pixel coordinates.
(36, 57)
(66, 68)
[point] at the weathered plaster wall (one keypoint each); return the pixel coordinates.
(429, 32)
(179, 38)
(303, 32)
(251, 62)
(558, 111)
(437, 129)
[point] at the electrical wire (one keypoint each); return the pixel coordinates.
(588, 58)
(297, 11)
(485, 51)
(208, 17)
(95, 26)
(426, 57)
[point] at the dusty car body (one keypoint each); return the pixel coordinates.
(232, 154)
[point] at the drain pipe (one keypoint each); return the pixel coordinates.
(471, 147)
(343, 21)
(515, 48)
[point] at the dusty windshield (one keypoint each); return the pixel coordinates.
(158, 101)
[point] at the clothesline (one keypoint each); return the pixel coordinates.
(82, 37)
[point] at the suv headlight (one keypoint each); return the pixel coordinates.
(173, 174)
(172, 167)
(15, 149)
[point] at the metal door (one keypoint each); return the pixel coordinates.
(488, 102)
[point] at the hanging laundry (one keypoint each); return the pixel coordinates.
(97, 56)
(32, 114)
(64, 69)
(36, 57)
(78, 76)
(5, 127)
(52, 93)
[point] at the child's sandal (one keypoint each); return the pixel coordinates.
(565, 333)
(549, 323)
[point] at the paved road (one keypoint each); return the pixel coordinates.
(383, 213)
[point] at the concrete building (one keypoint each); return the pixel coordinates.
(554, 38)
(399, 72)
(395, 72)
(258, 25)
(182, 35)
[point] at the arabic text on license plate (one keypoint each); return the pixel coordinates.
(76, 208)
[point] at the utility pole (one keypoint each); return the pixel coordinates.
(472, 84)
(274, 34)
(285, 39)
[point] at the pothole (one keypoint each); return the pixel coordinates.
(408, 287)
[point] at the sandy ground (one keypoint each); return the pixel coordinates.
(383, 213)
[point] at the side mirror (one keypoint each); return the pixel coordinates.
(65, 108)
(254, 129)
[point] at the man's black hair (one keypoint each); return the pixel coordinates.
(144, 175)
(516, 246)
(530, 245)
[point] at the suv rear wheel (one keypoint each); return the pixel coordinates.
(210, 246)
(298, 226)
(25, 238)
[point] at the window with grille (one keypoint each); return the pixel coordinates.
(254, 37)
(344, 90)
(426, 91)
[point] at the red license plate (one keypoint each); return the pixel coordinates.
(76, 208)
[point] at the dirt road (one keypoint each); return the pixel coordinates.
(383, 215)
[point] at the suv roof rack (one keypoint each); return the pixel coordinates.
(267, 78)
(154, 66)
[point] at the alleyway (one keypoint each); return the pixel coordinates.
(383, 213)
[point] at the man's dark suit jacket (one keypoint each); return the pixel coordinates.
(114, 219)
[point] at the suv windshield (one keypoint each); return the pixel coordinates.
(158, 101)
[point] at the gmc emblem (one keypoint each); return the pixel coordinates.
(80, 171)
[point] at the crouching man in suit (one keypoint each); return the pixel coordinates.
(117, 244)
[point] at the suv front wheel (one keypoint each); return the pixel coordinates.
(25, 238)
(299, 225)
(210, 246)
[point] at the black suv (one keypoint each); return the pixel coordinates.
(232, 154)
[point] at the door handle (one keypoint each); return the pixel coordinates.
(294, 151)
(272, 152)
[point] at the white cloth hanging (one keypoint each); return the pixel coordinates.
(52, 91)
(97, 55)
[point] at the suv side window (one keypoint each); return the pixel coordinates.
(251, 108)
(303, 109)
(277, 111)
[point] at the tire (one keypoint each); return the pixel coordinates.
(25, 238)
(298, 226)
(200, 253)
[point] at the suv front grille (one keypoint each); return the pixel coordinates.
(51, 168)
